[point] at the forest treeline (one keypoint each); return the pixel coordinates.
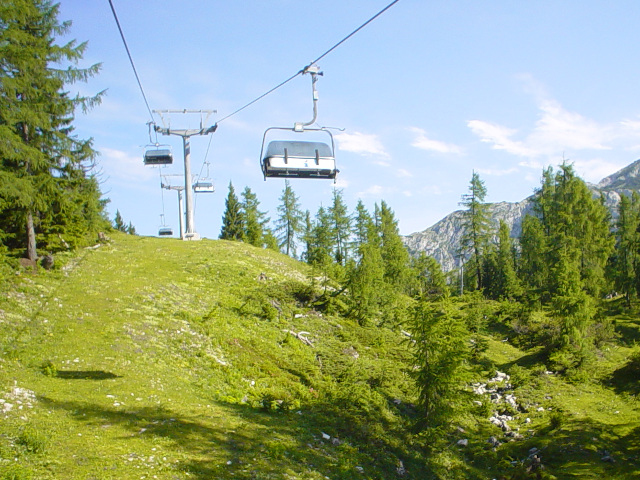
(552, 279)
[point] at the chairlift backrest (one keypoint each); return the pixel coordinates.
(159, 156)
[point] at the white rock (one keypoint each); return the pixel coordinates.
(463, 442)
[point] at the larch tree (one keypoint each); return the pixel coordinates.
(290, 220)
(340, 227)
(475, 225)
(46, 186)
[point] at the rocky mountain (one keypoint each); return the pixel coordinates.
(442, 240)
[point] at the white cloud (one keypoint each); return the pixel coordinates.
(401, 172)
(557, 130)
(124, 167)
(494, 172)
(361, 143)
(372, 191)
(341, 182)
(424, 143)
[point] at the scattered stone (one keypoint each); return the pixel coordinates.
(477, 403)
(325, 436)
(400, 468)
(494, 442)
(527, 420)
(47, 262)
(533, 451)
(360, 469)
(336, 441)
(463, 442)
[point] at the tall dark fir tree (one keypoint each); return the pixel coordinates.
(46, 186)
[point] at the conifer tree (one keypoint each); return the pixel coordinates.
(395, 256)
(289, 222)
(44, 169)
(431, 281)
(340, 227)
(501, 281)
(254, 219)
(364, 229)
(366, 283)
(625, 263)
(440, 353)
(232, 220)
(475, 225)
(321, 241)
(118, 222)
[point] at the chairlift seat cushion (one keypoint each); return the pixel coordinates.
(301, 159)
(160, 156)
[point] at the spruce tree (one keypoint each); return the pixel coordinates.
(364, 229)
(44, 169)
(290, 220)
(118, 222)
(475, 225)
(232, 220)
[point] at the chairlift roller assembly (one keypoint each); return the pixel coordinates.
(300, 159)
(203, 187)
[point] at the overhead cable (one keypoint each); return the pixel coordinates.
(115, 16)
(315, 61)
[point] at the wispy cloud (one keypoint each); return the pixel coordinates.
(125, 167)
(401, 172)
(361, 143)
(497, 172)
(373, 191)
(555, 131)
(425, 143)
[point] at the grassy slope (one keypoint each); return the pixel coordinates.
(174, 361)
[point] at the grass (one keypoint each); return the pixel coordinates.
(156, 358)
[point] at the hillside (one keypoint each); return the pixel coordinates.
(442, 240)
(154, 358)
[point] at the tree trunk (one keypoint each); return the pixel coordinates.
(32, 254)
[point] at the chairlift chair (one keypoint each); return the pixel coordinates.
(300, 159)
(203, 187)
(165, 231)
(158, 156)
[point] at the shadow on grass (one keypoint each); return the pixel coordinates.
(626, 379)
(85, 375)
(582, 449)
(266, 445)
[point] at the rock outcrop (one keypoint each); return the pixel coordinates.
(442, 240)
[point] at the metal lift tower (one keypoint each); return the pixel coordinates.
(186, 134)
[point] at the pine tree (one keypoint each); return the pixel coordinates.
(289, 222)
(44, 169)
(254, 220)
(476, 225)
(232, 220)
(366, 284)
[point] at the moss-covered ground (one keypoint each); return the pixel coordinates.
(150, 358)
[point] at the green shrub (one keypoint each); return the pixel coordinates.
(48, 368)
(15, 471)
(32, 440)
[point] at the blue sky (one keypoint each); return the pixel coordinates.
(426, 94)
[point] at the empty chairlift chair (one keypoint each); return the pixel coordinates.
(165, 231)
(299, 159)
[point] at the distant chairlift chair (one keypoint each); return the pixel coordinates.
(158, 156)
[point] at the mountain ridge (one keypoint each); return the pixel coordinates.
(442, 239)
